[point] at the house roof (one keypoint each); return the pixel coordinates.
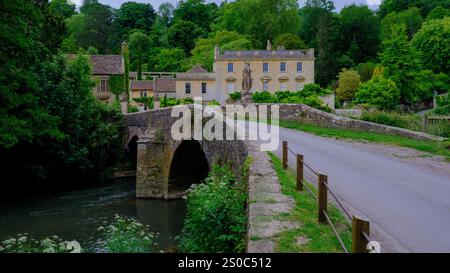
(106, 64)
(197, 72)
(165, 85)
(197, 69)
(265, 54)
(142, 85)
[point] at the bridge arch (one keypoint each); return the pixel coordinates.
(189, 166)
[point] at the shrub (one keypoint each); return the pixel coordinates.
(132, 109)
(349, 81)
(216, 217)
(23, 243)
(126, 235)
(264, 97)
(380, 92)
(443, 105)
(407, 121)
(235, 96)
(214, 102)
(315, 89)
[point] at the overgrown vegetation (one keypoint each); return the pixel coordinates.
(441, 148)
(439, 127)
(24, 243)
(216, 213)
(318, 237)
(121, 235)
(126, 235)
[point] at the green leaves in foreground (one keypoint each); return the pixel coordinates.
(216, 216)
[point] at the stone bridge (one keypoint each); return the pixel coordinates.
(165, 167)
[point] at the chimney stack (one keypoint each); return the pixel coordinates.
(269, 45)
(216, 52)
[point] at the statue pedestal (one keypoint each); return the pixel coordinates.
(246, 97)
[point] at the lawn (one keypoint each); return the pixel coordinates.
(441, 148)
(320, 237)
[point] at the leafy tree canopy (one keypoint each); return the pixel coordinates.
(289, 41)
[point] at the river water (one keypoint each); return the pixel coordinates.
(76, 215)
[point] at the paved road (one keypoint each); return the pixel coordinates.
(408, 204)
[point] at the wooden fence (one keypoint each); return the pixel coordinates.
(360, 228)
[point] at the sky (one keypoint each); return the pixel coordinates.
(155, 3)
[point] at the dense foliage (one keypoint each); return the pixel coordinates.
(380, 92)
(50, 123)
(216, 217)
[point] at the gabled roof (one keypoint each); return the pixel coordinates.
(165, 85)
(197, 69)
(142, 85)
(107, 64)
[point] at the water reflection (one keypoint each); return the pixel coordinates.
(76, 215)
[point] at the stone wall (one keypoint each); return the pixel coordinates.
(306, 114)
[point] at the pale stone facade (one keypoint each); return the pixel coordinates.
(272, 70)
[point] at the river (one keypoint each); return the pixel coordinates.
(76, 215)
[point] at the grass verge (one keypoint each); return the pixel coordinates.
(441, 148)
(320, 237)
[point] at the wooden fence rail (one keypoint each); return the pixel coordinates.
(360, 227)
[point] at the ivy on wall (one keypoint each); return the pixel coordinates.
(117, 84)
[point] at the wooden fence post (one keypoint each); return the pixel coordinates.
(323, 197)
(359, 241)
(285, 155)
(299, 172)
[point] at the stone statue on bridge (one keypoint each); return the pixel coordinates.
(247, 82)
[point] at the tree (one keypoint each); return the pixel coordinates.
(139, 44)
(197, 12)
(401, 63)
(324, 4)
(134, 16)
(361, 29)
(438, 13)
(261, 20)
(171, 59)
(164, 18)
(411, 18)
(203, 52)
(329, 57)
(425, 6)
(93, 27)
(349, 81)
(23, 51)
(289, 41)
(182, 34)
(433, 42)
(65, 8)
(366, 70)
(380, 92)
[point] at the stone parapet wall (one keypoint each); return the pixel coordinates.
(306, 114)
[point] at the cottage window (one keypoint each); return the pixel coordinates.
(187, 88)
(230, 87)
(282, 67)
(203, 87)
(300, 86)
(265, 86)
(230, 67)
(265, 67)
(103, 86)
(299, 67)
(143, 94)
(283, 86)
